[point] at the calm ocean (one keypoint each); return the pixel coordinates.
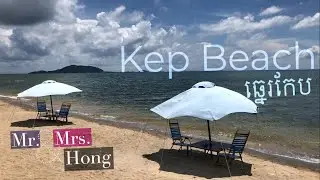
(286, 125)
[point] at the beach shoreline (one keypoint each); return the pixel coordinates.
(160, 134)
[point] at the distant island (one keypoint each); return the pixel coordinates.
(72, 69)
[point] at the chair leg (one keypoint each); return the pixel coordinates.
(242, 163)
(211, 154)
(218, 157)
(34, 122)
(241, 158)
(190, 149)
(230, 160)
(171, 146)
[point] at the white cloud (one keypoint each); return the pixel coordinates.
(226, 14)
(261, 42)
(65, 10)
(246, 24)
(271, 10)
(258, 41)
(315, 49)
(68, 39)
(5, 33)
(308, 22)
(164, 9)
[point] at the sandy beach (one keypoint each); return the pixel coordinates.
(137, 155)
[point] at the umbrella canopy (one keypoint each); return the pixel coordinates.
(207, 101)
(49, 88)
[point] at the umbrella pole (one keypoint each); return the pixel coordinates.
(208, 123)
(51, 105)
(210, 143)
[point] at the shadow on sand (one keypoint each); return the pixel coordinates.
(39, 123)
(197, 164)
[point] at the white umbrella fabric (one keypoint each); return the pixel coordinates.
(206, 101)
(49, 88)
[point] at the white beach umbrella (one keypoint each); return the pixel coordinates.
(206, 101)
(49, 88)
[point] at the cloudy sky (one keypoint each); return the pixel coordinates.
(50, 34)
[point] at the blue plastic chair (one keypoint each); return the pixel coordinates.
(42, 109)
(237, 147)
(63, 112)
(177, 138)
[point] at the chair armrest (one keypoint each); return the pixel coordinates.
(54, 115)
(186, 137)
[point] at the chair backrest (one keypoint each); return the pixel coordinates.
(175, 130)
(41, 106)
(239, 141)
(64, 110)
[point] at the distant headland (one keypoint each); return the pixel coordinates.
(72, 69)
